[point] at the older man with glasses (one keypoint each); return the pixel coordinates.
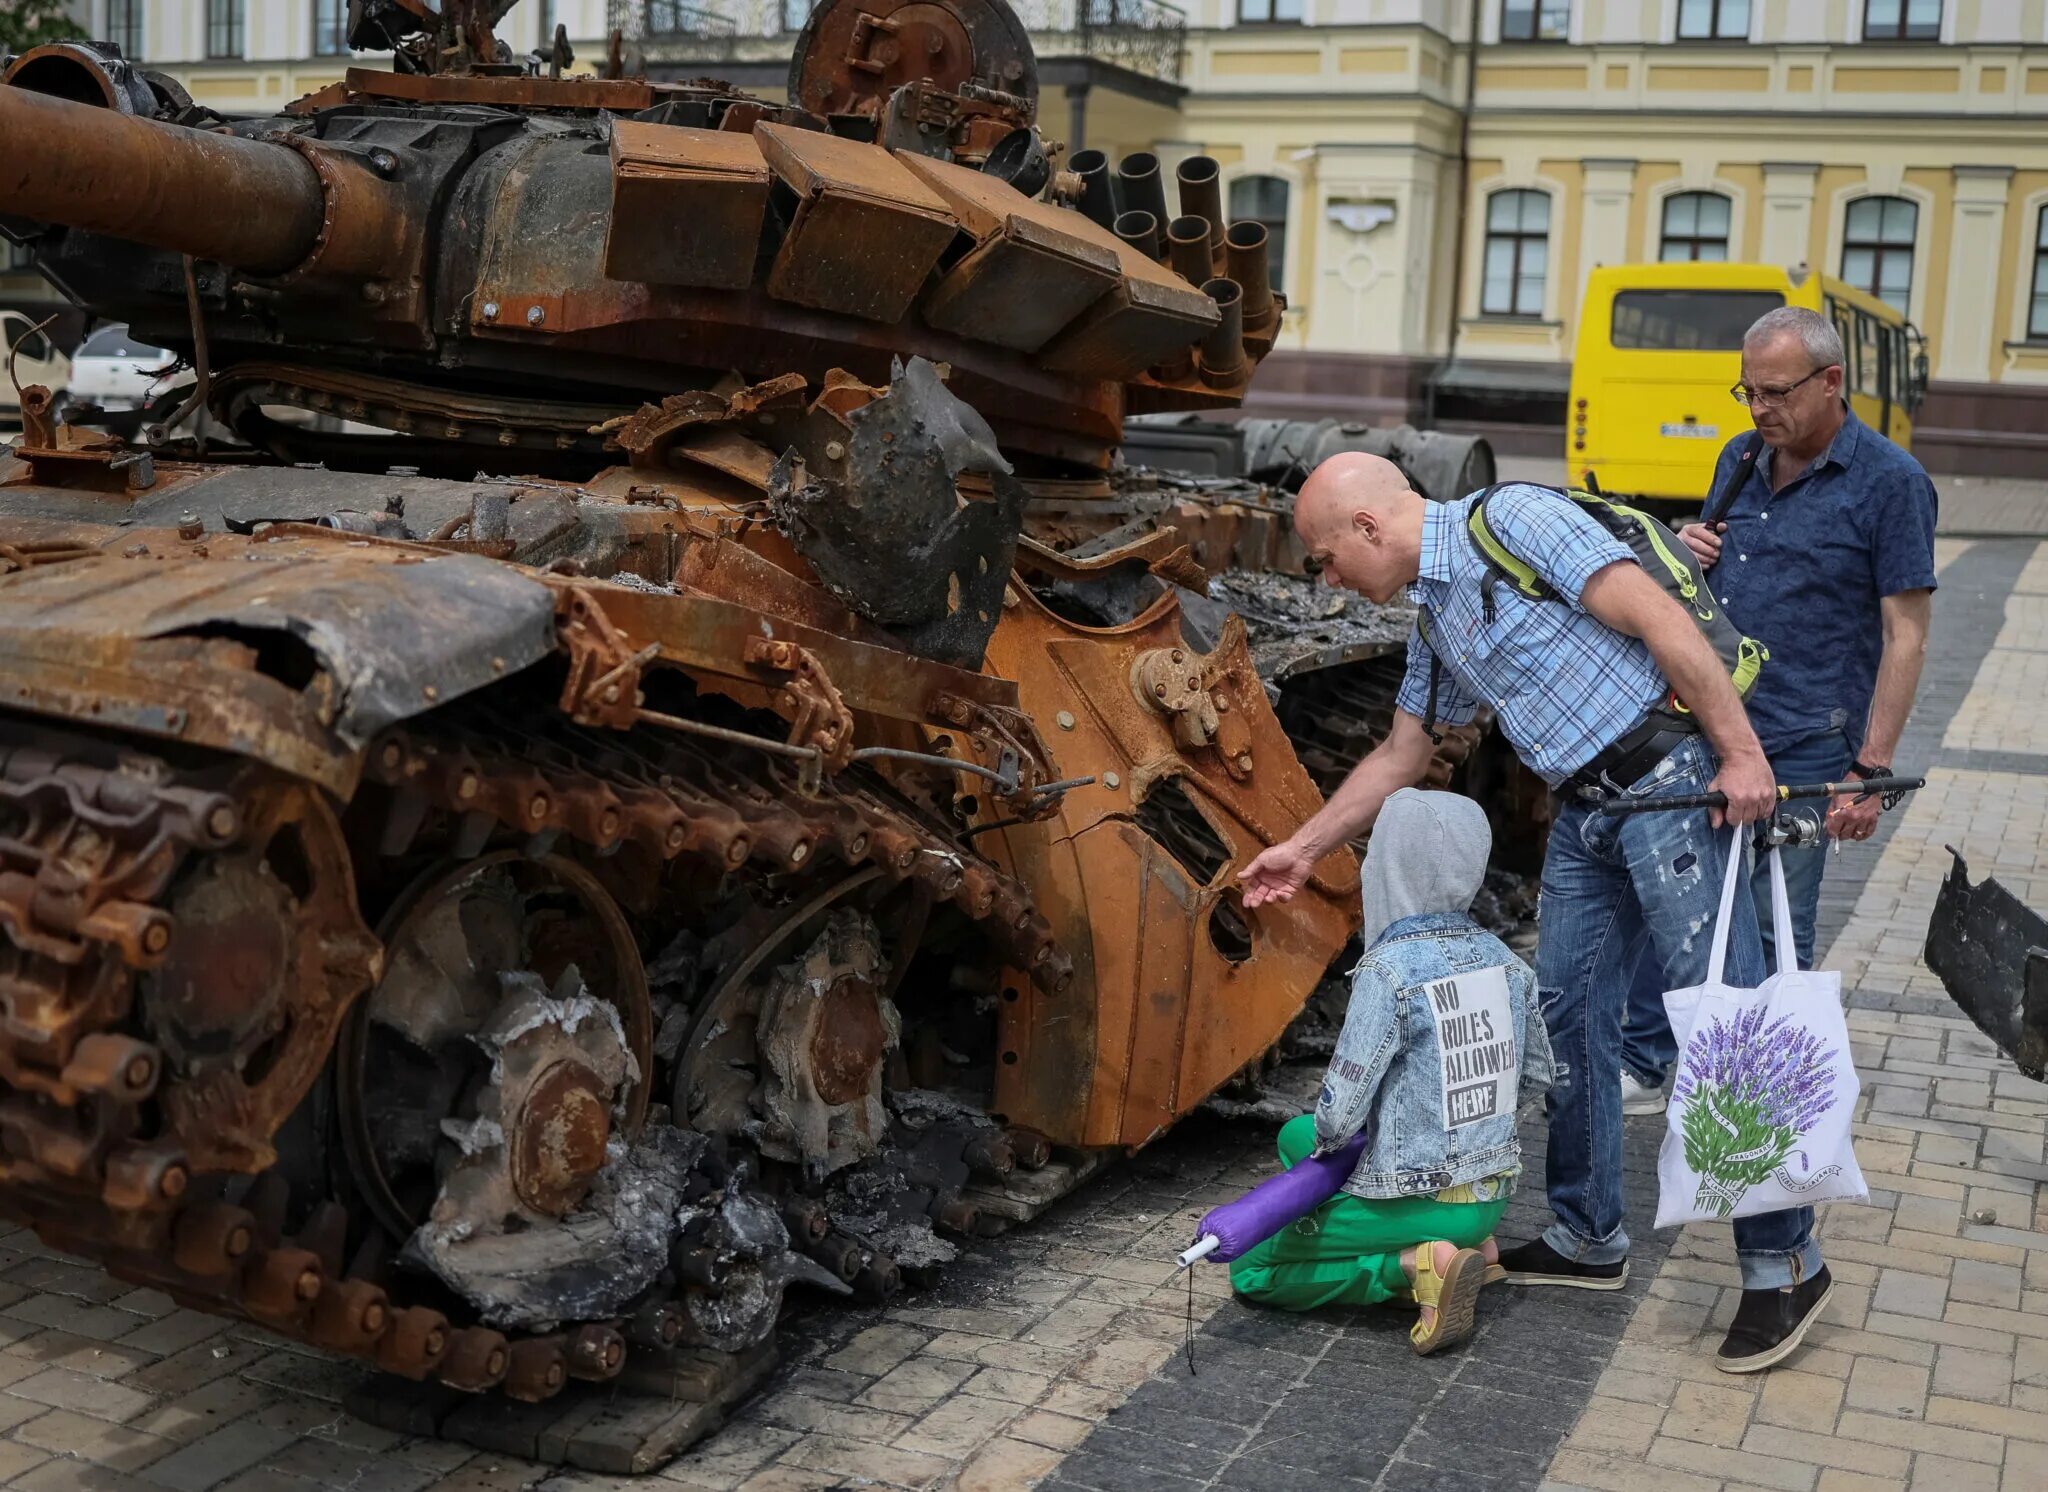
(1820, 535)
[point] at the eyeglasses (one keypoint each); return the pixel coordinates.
(1744, 394)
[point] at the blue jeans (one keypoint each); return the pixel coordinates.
(1647, 1049)
(1611, 888)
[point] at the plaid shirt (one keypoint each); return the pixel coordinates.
(1564, 685)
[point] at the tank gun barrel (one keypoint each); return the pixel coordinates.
(248, 203)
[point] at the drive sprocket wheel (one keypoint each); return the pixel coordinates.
(274, 954)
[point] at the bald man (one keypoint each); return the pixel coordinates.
(1581, 685)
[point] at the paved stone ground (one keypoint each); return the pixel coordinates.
(1337, 1399)
(1930, 1370)
(1056, 1356)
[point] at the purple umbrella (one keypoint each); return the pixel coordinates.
(1236, 1228)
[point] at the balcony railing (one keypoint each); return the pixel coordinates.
(1145, 36)
(663, 30)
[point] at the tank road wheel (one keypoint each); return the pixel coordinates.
(802, 1024)
(808, 1046)
(513, 996)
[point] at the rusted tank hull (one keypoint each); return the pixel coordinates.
(605, 802)
(236, 811)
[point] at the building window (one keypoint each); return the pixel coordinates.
(1877, 248)
(1902, 20)
(1517, 253)
(124, 26)
(1713, 20)
(330, 27)
(2037, 312)
(223, 28)
(1255, 12)
(1263, 199)
(1695, 227)
(1535, 20)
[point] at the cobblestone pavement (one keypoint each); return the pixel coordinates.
(1930, 1369)
(1057, 1356)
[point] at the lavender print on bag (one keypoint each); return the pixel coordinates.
(1750, 1092)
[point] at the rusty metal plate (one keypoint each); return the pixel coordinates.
(687, 206)
(720, 567)
(702, 632)
(986, 205)
(728, 453)
(626, 95)
(358, 611)
(866, 232)
(1164, 1007)
(1149, 319)
(1029, 275)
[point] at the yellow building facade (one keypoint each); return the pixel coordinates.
(1901, 146)
(1440, 175)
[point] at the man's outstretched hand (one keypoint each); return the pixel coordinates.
(1277, 874)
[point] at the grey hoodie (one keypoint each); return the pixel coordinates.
(1427, 854)
(1442, 1041)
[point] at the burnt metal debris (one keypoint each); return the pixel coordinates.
(1990, 951)
(654, 757)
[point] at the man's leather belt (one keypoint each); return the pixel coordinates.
(1623, 764)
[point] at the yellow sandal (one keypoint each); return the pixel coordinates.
(1454, 1294)
(1494, 1275)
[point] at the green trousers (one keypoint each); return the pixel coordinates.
(1348, 1251)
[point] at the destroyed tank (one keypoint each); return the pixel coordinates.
(608, 780)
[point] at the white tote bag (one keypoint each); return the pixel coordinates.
(1765, 1085)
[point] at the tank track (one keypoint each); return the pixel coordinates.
(123, 1152)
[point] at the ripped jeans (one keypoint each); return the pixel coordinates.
(1647, 1049)
(1611, 888)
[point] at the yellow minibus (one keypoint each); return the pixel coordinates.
(1660, 348)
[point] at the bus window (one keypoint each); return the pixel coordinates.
(1688, 320)
(1844, 319)
(1888, 367)
(1869, 366)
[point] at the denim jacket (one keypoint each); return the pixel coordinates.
(1427, 1073)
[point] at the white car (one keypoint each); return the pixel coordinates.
(121, 376)
(36, 360)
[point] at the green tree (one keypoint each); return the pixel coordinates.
(30, 23)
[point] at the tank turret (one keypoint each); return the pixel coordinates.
(466, 225)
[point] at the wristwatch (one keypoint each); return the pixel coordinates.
(1863, 771)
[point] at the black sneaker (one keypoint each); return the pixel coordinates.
(1537, 1263)
(1770, 1324)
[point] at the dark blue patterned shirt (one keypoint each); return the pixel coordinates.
(1802, 571)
